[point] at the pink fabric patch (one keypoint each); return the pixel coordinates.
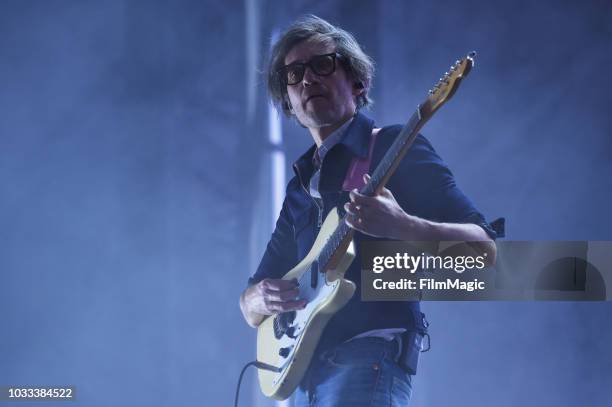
(359, 167)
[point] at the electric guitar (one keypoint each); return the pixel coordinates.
(286, 342)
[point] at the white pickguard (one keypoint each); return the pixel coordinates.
(314, 297)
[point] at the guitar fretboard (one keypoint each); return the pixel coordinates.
(379, 178)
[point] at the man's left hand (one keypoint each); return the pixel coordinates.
(379, 215)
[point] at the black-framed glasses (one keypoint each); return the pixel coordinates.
(322, 65)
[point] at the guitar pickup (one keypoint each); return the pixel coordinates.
(314, 274)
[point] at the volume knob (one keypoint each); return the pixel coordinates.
(290, 332)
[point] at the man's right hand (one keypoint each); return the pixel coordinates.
(268, 297)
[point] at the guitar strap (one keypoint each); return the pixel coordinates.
(358, 167)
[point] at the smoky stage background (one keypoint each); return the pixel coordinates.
(135, 188)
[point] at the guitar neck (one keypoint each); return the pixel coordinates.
(385, 169)
(387, 166)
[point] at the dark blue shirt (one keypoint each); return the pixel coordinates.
(423, 186)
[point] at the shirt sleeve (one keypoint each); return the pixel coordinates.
(281, 252)
(433, 192)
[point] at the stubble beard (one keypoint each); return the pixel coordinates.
(322, 117)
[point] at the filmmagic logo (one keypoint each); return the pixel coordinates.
(430, 284)
(404, 261)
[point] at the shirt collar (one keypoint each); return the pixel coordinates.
(356, 138)
(331, 140)
(357, 135)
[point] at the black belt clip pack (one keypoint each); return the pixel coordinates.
(413, 342)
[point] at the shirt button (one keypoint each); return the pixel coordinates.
(375, 366)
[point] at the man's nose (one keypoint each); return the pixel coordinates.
(309, 77)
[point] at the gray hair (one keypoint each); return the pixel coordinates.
(357, 64)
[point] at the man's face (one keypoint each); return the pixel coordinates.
(320, 101)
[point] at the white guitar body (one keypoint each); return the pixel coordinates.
(292, 353)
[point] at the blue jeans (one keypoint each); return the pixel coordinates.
(361, 372)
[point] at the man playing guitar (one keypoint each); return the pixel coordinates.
(319, 75)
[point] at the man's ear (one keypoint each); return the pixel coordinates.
(359, 88)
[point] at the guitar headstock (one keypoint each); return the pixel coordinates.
(448, 84)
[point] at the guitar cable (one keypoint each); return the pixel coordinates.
(258, 365)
